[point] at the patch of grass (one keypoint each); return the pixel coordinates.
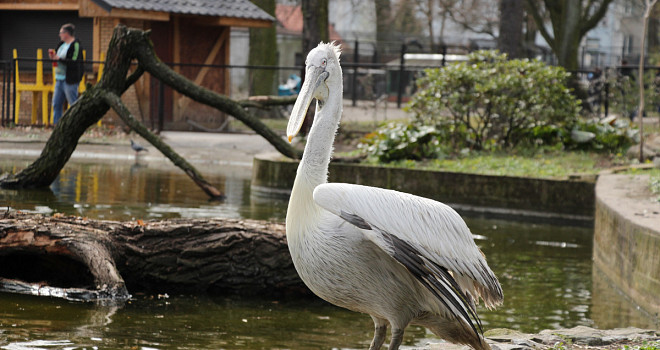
(565, 344)
(555, 164)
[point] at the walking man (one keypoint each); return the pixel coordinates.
(68, 70)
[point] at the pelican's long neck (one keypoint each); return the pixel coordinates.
(318, 151)
(313, 168)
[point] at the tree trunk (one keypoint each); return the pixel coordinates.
(566, 38)
(640, 78)
(510, 39)
(315, 23)
(571, 20)
(383, 22)
(263, 52)
(315, 30)
(79, 258)
(87, 110)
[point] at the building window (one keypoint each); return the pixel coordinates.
(627, 45)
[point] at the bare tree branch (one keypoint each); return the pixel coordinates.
(115, 102)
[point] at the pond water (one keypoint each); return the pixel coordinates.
(545, 271)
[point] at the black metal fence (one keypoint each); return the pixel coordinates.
(6, 112)
(393, 80)
(362, 81)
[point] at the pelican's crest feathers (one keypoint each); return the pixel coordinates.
(331, 46)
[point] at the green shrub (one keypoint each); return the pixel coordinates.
(491, 102)
(596, 135)
(397, 141)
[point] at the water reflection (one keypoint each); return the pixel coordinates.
(545, 271)
(545, 285)
(183, 323)
(611, 308)
(130, 191)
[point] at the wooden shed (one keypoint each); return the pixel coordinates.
(194, 34)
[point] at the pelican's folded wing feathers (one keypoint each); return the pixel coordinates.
(432, 229)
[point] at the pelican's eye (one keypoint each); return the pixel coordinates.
(324, 62)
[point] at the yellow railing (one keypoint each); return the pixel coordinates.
(43, 89)
(37, 88)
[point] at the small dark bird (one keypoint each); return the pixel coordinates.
(137, 148)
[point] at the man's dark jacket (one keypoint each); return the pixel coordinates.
(74, 62)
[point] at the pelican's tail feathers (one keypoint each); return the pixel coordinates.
(453, 331)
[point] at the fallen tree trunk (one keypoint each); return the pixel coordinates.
(106, 259)
(125, 46)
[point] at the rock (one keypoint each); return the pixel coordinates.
(580, 335)
(613, 339)
(631, 332)
(505, 335)
(506, 346)
(633, 152)
(525, 342)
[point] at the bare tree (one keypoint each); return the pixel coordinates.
(404, 19)
(478, 16)
(428, 8)
(570, 21)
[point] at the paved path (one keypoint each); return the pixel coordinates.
(199, 148)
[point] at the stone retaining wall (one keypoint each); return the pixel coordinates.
(627, 238)
(532, 197)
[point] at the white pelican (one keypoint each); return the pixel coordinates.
(400, 258)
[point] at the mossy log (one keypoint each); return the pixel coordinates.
(79, 258)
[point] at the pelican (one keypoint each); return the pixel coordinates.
(400, 258)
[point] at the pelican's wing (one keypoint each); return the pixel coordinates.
(413, 227)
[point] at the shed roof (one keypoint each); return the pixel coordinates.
(221, 8)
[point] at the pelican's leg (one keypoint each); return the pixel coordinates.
(380, 326)
(397, 338)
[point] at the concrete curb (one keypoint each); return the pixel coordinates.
(568, 201)
(627, 239)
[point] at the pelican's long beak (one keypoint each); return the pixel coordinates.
(314, 76)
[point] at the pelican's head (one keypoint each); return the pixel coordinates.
(322, 73)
